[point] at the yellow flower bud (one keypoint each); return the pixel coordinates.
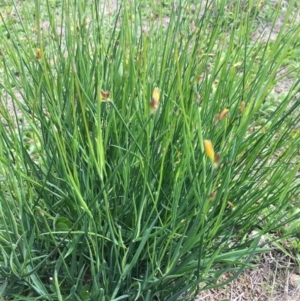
(154, 104)
(222, 115)
(39, 53)
(209, 150)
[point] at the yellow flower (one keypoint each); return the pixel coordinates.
(222, 115)
(154, 104)
(39, 53)
(209, 150)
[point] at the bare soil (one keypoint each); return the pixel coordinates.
(276, 278)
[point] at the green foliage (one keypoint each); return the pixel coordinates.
(106, 191)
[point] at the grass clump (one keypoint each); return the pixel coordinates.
(138, 157)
